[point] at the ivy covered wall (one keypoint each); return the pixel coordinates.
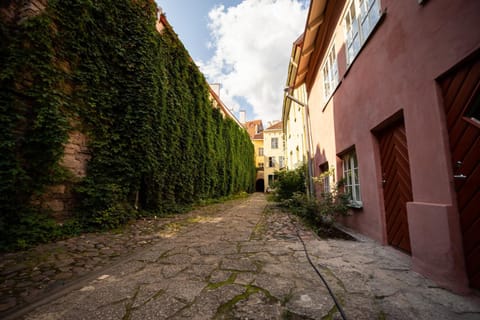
(101, 68)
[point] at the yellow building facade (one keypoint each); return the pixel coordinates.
(274, 153)
(255, 131)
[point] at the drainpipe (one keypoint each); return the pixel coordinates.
(309, 159)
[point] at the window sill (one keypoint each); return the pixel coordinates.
(355, 205)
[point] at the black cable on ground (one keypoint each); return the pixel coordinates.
(339, 307)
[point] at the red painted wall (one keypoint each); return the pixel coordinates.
(396, 71)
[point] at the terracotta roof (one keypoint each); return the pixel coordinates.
(258, 136)
(276, 126)
(252, 128)
(253, 123)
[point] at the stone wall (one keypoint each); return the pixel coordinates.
(60, 198)
(76, 154)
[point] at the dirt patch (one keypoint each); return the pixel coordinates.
(334, 233)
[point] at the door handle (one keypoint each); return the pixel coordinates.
(459, 176)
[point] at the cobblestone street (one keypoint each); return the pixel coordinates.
(238, 260)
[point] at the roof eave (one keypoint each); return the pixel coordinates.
(315, 19)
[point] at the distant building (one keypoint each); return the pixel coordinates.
(255, 131)
(274, 153)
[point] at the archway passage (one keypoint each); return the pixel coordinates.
(260, 185)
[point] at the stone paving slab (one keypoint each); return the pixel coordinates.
(243, 260)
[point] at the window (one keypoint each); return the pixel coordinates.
(274, 142)
(325, 177)
(473, 111)
(360, 19)
(271, 179)
(350, 174)
(281, 161)
(271, 162)
(260, 165)
(330, 73)
(260, 151)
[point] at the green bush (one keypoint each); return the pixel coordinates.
(36, 227)
(319, 213)
(288, 183)
(332, 204)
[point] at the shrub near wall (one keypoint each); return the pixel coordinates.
(156, 144)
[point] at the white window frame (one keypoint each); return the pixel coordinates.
(352, 181)
(326, 184)
(281, 161)
(360, 19)
(272, 144)
(271, 162)
(325, 177)
(260, 151)
(330, 73)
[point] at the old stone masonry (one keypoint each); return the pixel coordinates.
(241, 259)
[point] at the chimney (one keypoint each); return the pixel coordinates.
(243, 116)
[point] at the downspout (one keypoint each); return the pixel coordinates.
(310, 191)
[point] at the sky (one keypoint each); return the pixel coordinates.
(244, 45)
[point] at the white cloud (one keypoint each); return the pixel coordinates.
(252, 44)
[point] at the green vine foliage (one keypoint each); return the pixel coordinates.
(157, 145)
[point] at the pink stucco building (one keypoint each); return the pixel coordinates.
(394, 108)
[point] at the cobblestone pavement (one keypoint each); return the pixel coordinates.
(237, 260)
(29, 275)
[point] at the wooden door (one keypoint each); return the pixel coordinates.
(461, 95)
(397, 186)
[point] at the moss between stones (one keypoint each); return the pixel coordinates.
(382, 316)
(225, 310)
(289, 315)
(215, 285)
(331, 313)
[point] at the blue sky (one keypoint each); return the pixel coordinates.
(244, 45)
(189, 18)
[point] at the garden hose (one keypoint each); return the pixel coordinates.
(337, 304)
